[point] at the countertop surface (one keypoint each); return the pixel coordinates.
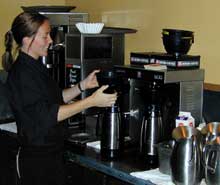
(129, 161)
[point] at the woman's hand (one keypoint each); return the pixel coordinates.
(90, 81)
(100, 99)
(97, 99)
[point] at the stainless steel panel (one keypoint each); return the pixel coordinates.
(191, 98)
(66, 18)
(184, 75)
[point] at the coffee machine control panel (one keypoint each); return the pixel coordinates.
(139, 73)
(73, 74)
(159, 76)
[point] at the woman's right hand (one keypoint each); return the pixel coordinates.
(101, 99)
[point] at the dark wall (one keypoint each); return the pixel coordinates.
(211, 106)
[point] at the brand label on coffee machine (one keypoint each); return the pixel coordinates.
(185, 119)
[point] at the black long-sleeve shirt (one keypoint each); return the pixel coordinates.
(35, 98)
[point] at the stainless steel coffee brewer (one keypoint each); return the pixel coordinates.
(177, 90)
(62, 23)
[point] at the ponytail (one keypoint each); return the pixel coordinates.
(7, 58)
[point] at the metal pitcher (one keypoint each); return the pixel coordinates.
(151, 131)
(212, 163)
(112, 136)
(186, 168)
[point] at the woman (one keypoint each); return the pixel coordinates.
(38, 104)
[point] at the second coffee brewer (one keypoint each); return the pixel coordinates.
(157, 96)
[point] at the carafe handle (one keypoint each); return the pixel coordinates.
(215, 156)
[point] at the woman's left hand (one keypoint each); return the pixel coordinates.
(90, 81)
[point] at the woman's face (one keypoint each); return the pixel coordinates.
(37, 45)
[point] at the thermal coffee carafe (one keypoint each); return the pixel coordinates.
(151, 131)
(111, 136)
(152, 128)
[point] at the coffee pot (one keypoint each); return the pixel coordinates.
(152, 128)
(111, 119)
(111, 135)
(186, 168)
(151, 131)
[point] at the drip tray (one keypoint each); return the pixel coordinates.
(81, 138)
